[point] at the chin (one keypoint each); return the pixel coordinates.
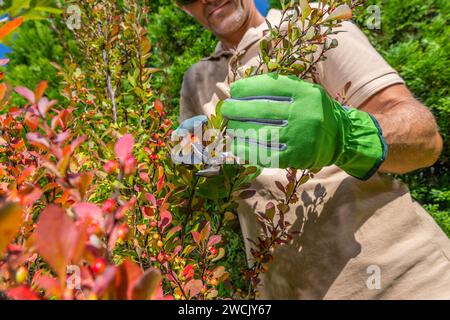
(229, 24)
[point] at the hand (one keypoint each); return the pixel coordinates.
(301, 127)
(187, 151)
(188, 126)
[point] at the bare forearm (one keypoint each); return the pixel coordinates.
(410, 131)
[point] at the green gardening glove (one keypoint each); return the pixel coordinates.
(296, 124)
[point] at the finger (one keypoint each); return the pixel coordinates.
(269, 84)
(252, 153)
(257, 132)
(264, 109)
(188, 126)
(191, 123)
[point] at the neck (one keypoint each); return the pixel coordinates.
(232, 40)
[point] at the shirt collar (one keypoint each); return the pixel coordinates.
(250, 37)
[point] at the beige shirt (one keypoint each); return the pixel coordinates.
(359, 239)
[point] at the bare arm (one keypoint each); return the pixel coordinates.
(409, 128)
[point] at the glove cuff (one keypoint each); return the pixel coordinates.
(364, 149)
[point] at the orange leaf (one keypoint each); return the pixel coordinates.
(10, 27)
(10, 221)
(40, 89)
(25, 174)
(2, 90)
(126, 277)
(145, 288)
(159, 106)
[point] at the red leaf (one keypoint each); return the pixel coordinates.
(61, 137)
(159, 106)
(127, 275)
(280, 186)
(214, 240)
(104, 281)
(36, 139)
(160, 183)
(165, 220)
(124, 147)
(43, 105)
(30, 198)
(193, 287)
(76, 143)
(197, 237)
(31, 120)
(58, 240)
(22, 293)
(148, 212)
(177, 249)
(26, 93)
(127, 206)
(188, 272)
(144, 176)
(10, 27)
(50, 285)
(173, 231)
(246, 194)
(146, 287)
(87, 211)
(151, 198)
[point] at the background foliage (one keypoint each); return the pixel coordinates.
(179, 42)
(414, 40)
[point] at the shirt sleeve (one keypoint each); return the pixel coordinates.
(355, 60)
(187, 106)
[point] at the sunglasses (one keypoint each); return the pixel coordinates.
(185, 2)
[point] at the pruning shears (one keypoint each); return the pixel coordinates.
(191, 151)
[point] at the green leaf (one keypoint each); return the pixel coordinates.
(306, 9)
(213, 188)
(272, 65)
(49, 10)
(270, 210)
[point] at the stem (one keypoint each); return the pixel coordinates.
(188, 216)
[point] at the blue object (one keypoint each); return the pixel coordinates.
(263, 6)
(4, 50)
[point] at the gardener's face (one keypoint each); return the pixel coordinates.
(222, 17)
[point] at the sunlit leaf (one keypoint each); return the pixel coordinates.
(306, 9)
(343, 12)
(10, 27)
(10, 221)
(26, 93)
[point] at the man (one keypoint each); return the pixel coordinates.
(362, 236)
